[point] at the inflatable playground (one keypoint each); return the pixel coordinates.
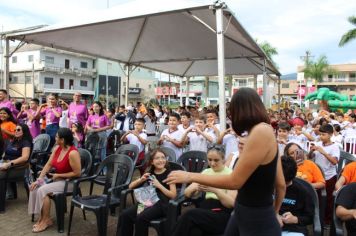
(332, 100)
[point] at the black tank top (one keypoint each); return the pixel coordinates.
(259, 188)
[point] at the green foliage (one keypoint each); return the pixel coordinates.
(318, 69)
(349, 35)
(268, 49)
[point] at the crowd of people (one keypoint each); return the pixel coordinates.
(252, 163)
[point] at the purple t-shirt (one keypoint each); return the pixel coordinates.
(77, 113)
(81, 138)
(50, 116)
(11, 106)
(95, 121)
(34, 125)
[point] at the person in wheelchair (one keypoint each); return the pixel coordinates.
(140, 215)
(297, 210)
(215, 209)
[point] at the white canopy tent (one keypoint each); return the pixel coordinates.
(179, 38)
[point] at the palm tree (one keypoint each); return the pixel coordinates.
(270, 51)
(349, 35)
(318, 69)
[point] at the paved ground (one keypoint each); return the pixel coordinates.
(15, 221)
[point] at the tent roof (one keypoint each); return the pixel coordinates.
(178, 38)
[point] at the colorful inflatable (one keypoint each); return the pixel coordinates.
(335, 101)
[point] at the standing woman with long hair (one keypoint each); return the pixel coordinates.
(51, 113)
(98, 123)
(257, 176)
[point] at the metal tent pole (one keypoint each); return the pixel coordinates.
(127, 84)
(180, 91)
(264, 88)
(187, 91)
(221, 64)
(6, 72)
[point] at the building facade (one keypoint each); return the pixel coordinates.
(37, 71)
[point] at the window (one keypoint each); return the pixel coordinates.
(137, 85)
(83, 64)
(84, 83)
(14, 59)
(14, 80)
(124, 83)
(330, 76)
(242, 83)
(30, 58)
(28, 79)
(49, 60)
(352, 77)
(285, 85)
(48, 80)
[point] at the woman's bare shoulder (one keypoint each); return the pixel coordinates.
(263, 129)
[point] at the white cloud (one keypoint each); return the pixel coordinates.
(291, 26)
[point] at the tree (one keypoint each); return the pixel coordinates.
(349, 35)
(270, 51)
(318, 69)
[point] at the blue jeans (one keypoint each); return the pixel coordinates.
(52, 130)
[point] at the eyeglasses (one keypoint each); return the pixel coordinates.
(18, 130)
(219, 148)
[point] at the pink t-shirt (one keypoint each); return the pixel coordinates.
(50, 117)
(95, 121)
(77, 113)
(9, 105)
(34, 125)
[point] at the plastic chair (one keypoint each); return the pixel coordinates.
(39, 155)
(194, 161)
(91, 144)
(60, 198)
(345, 158)
(119, 174)
(113, 142)
(350, 145)
(127, 149)
(170, 153)
(337, 227)
(317, 229)
(164, 225)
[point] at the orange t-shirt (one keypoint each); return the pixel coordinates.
(9, 126)
(349, 172)
(310, 172)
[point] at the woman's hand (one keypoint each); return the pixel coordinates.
(54, 176)
(144, 177)
(279, 219)
(5, 166)
(204, 188)
(178, 176)
(36, 184)
(156, 183)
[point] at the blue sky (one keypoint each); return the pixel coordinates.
(291, 26)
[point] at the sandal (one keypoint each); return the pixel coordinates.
(38, 229)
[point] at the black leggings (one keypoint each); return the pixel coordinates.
(128, 218)
(256, 221)
(199, 222)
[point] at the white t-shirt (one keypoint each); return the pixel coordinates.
(180, 127)
(134, 140)
(328, 168)
(338, 139)
(234, 159)
(63, 122)
(198, 142)
(177, 135)
(230, 141)
(301, 140)
(150, 126)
